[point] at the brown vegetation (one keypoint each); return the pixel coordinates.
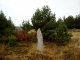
(28, 51)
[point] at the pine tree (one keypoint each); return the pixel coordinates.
(44, 20)
(62, 35)
(26, 26)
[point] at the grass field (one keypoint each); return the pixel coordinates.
(28, 51)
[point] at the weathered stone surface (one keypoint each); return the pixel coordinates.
(40, 40)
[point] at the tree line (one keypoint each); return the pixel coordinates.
(6, 25)
(44, 15)
(52, 29)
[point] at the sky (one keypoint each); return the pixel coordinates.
(20, 10)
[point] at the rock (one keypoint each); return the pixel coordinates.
(40, 40)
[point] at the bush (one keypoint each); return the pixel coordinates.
(12, 41)
(8, 32)
(3, 39)
(62, 35)
(32, 38)
(49, 35)
(32, 35)
(22, 37)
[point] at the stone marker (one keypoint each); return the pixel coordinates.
(40, 40)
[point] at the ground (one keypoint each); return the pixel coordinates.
(28, 51)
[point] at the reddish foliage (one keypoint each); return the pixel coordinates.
(25, 37)
(22, 36)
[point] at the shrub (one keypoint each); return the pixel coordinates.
(8, 32)
(59, 35)
(12, 41)
(62, 35)
(32, 38)
(49, 35)
(22, 37)
(32, 35)
(3, 39)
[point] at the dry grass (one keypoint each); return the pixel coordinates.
(28, 51)
(2, 50)
(76, 34)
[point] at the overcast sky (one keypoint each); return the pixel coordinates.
(20, 10)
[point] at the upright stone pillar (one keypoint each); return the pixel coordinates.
(40, 40)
